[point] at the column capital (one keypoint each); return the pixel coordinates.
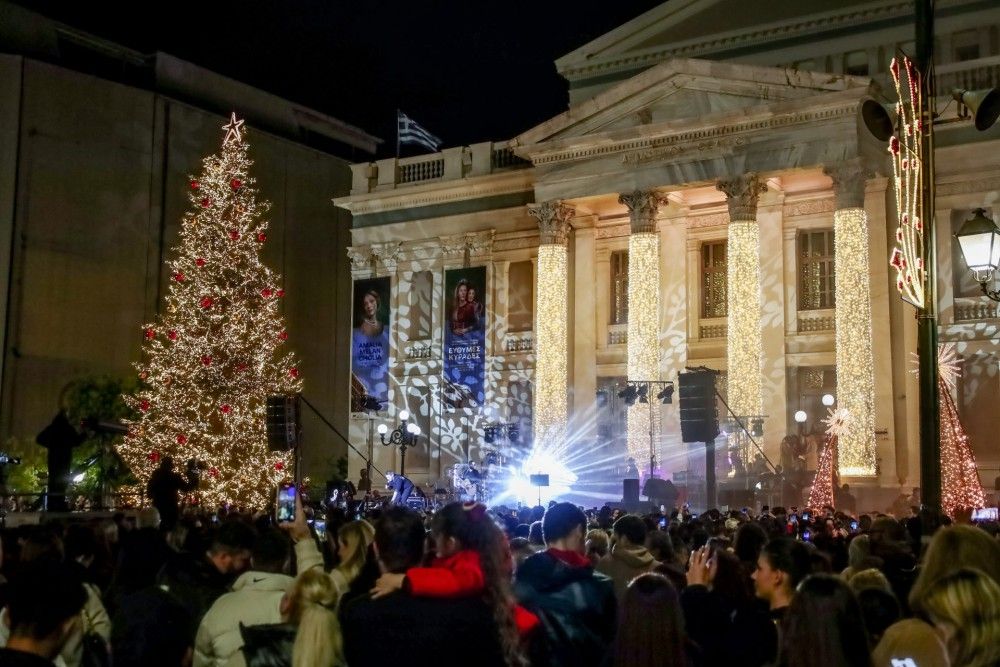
(742, 194)
(849, 178)
(553, 221)
(642, 207)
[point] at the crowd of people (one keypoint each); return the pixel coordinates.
(503, 587)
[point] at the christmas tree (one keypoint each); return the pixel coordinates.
(218, 349)
(821, 494)
(960, 485)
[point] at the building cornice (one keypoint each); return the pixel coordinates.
(759, 36)
(693, 136)
(440, 192)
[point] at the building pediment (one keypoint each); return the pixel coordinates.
(683, 90)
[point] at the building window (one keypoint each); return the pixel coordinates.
(713, 279)
(520, 296)
(817, 270)
(856, 63)
(619, 287)
(966, 45)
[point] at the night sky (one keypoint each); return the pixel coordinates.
(468, 70)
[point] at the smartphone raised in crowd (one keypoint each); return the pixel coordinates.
(285, 509)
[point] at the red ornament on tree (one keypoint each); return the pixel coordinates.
(262, 237)
(241, 366)
(283, 335)
(206, 360)
(179, 276)
(226, 408)
(234, 235)
(206, 302)
(181, 439)
(235, 183)
(144, 405)
(200, 262)
(266, 293)
(280, 293)
(143, 375)
(213, 473)
(195, 185)
(150, 333)
(279, 466)
(206, 202)
(154, 456)
(294, 372)
(172, 335)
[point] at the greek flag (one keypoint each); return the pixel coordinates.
(410, 132)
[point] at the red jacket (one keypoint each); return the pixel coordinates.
(460, 575)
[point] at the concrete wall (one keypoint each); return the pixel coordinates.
(93, 184)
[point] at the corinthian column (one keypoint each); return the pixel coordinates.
(643, 312)
(743, 313)
(855, 368)
(551, 296)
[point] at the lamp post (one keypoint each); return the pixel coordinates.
(979, 239)
(800, 419)
(404, 436)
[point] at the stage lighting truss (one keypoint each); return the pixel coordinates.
(502, 432)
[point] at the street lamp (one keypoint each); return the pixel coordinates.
(403, 436)
(979, 239)
(828, 400)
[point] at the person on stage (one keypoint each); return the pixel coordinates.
(631, 469)
(400, 486)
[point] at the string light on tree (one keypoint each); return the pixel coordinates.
(960, 483)
(821, 494)
(218, 350)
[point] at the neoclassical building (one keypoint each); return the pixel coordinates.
(712, 197)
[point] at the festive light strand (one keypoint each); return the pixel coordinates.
(643, 331)
(743, 338)
(907, 163)
(821, 494)
(855, 367)
(217, 351)
(551, 344)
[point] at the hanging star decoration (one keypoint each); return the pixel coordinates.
(234, 130)
(949, 364)
(836, 421)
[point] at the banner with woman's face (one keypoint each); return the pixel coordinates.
(370, 339)
(465, 337)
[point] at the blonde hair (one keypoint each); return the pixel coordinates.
(312, 605)
(968, 603)
(870, 578)
(951, 549)
(358, 536)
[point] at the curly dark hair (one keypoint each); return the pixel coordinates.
(474, 529)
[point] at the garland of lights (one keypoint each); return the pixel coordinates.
(855, 367)
(643, 332)
(215, 354)
(550, 344)
(907, 163)
(743, 338)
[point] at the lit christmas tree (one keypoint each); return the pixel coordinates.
(217, 351)
(960, 485)
(821, 494)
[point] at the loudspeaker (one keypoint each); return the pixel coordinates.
(984, 105)
(282, 422)
(630, 491)
(699, 417)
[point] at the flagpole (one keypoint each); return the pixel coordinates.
(397, 133)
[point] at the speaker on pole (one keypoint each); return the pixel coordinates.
(698, 413)
(282, 422)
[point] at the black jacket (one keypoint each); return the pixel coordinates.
(194, 582)
(400, 629)
(9, 658)
(727, 634)
(268, 645)
(576, 607)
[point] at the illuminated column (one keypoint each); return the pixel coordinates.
(643, 312)
(551, 296)
(743, 337)
(855, 368)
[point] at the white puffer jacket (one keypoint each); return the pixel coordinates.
(254, 600)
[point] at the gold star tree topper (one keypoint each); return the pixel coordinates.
(234, 130)
(836, 421)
